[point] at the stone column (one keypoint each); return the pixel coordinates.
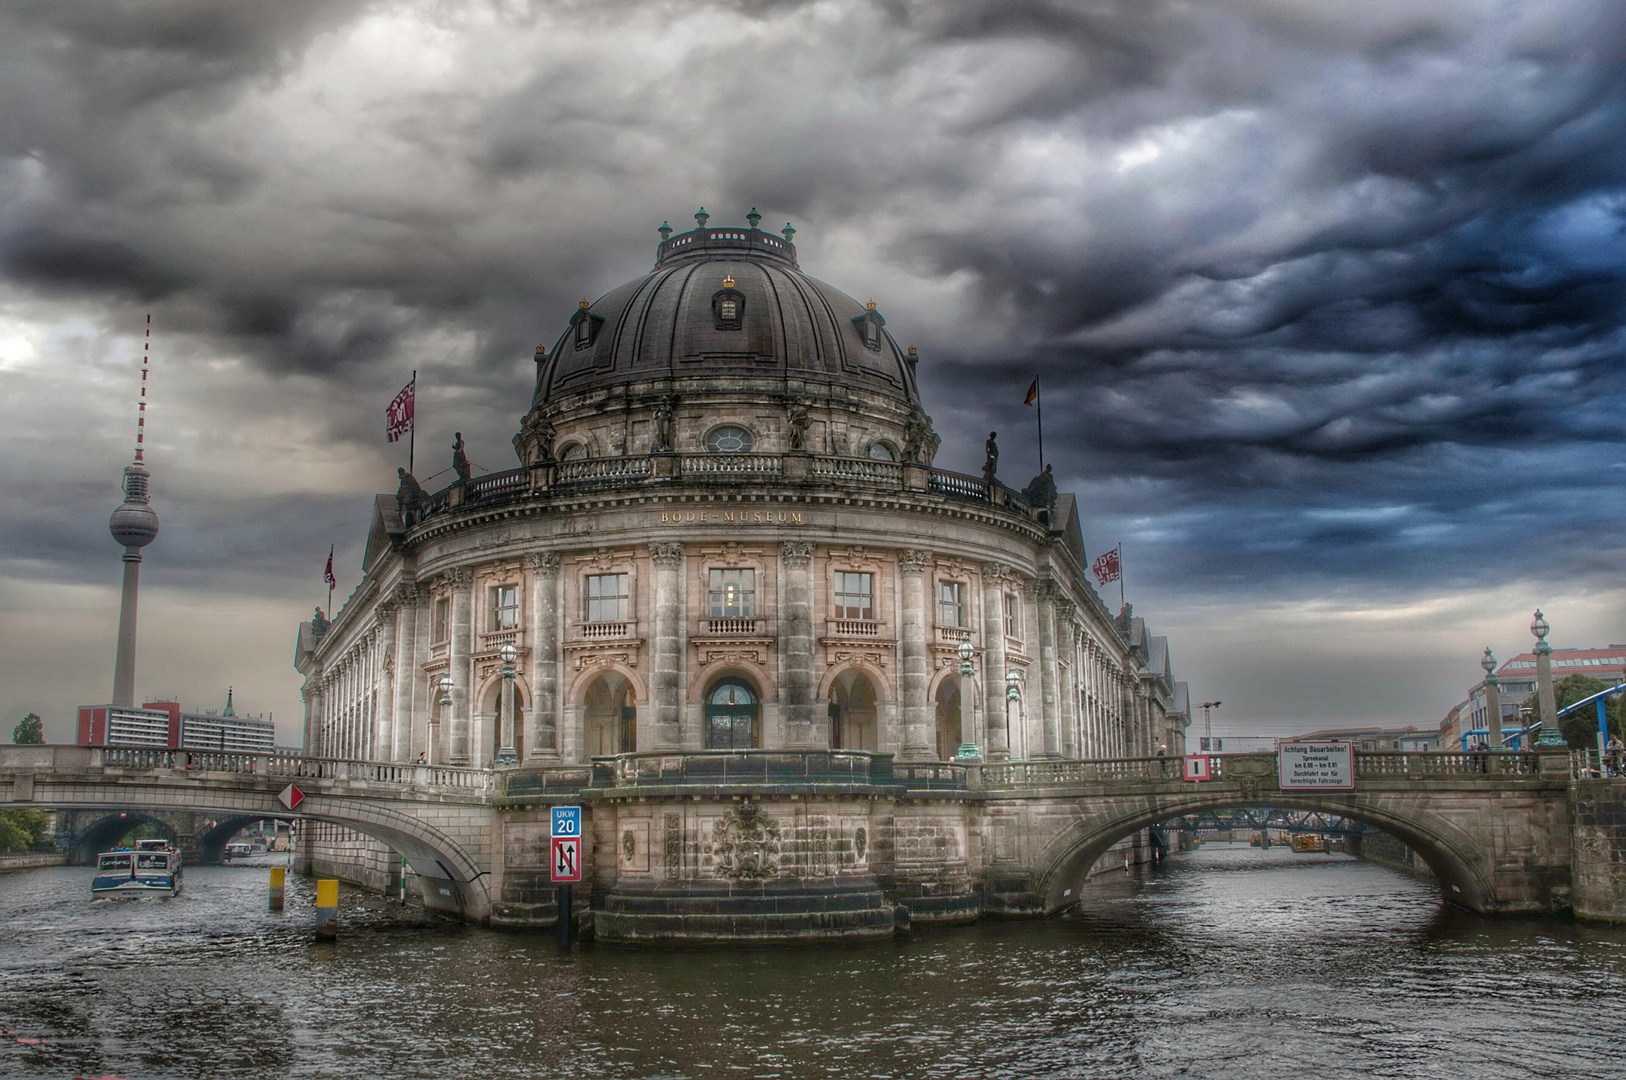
(1047, 669)
(994, 578)
(797, 687)
(666, 680)
(1493, 710)
(462, 669)
(384, 719)
(402, 677)
(544, 637)
(312, 693)
(914, 657)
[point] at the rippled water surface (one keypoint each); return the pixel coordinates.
(1228, 962)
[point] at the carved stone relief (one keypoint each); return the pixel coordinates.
(745, 844)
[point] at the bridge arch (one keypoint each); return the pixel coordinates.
(452, 879)
(1456, 860)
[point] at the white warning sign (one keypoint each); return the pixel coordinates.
(1316, 766)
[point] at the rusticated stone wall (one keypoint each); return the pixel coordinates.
(1599, 847)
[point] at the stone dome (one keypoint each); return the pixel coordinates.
(726, 301)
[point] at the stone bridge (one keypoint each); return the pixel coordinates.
(439, 819)
(775, 845)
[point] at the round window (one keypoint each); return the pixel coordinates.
(728, 439)
(574, 452)
(879, 451)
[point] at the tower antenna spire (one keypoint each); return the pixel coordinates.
(134, 525)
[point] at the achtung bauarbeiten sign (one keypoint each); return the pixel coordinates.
(1316, 766)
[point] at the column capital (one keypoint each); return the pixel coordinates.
(545, 563)
(666, 554)
(796, 554)
(994, 573)
(461, 577)
(406, 594)
(914, 560)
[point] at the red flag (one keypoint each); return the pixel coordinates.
(1107, 567)
(1033, 393)
(327, 575)
(398, 417)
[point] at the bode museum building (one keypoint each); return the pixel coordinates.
(727, 604)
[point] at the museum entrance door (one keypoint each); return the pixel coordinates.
(733, 716)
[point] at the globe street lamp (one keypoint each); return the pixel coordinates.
(1013, 696)
(446, 685)
(1550, 735)
(507, 755)
(968, 752)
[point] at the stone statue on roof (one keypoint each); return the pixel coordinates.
(460, 460)
(990, 461)
(1041, 490)
(408, 496)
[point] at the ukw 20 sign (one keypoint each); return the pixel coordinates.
(1316, 766)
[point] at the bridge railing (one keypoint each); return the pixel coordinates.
(701, 768)
(272, 765)
(1407, 765)
(1050, 773)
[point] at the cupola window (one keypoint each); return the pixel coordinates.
(880, 451)
(729, 439)
(573, 452)
(584, 326)
(869, 326)
(728, 306)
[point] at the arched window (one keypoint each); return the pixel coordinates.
(729, 439)
(732, 715)
(880, 451)
(573, 452)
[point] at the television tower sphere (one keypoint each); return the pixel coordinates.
(135, 523)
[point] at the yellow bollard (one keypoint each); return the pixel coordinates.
(327, 909)
(278, 876)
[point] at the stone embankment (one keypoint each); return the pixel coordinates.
(31, 860)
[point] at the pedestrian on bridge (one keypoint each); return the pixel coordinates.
(1617, 750)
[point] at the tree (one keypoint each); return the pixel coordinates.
(22, 829)
(1580, 728)
(28, 730)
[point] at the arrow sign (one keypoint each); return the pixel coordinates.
(567, 859)
(290, 797)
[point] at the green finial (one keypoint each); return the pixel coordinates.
(701, 217)
(753, 217)
(665, 230)
(787, 232)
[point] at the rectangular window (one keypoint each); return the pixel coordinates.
(505, 607)
(1013, 616)
(855, 595)
(950, 603)
(731, 594)
(607, 598)
(440, 623)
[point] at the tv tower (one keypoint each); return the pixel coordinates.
(134, 525)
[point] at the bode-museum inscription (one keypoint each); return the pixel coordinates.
(741, 516)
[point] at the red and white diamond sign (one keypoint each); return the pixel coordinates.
(290, 797)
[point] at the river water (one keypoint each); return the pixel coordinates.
(1226, 962)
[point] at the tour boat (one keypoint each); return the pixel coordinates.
(152, 867)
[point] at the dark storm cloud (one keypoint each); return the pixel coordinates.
(1314, 290)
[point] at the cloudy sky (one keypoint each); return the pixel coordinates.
(1327, 299)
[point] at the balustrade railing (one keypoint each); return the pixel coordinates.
(853, 628)
(599, 470)
(733, 465)
(499, 483)
(604, 631)
(959, 485)
(276, 765)
(732, 626)
(863, 470)
(726, 767)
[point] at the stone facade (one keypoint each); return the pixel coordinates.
(726, 534)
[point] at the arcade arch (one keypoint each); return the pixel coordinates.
(949, 725)
(609, 715)
(854, 723)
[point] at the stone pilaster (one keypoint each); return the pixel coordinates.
(1067, 635)
(1047, 669)
(543, 740)
(312, 693)
(384, 714)
(666, 680)
(462, 668)
(796, 689)
(995, 578)
(403, 679)
(914, 656)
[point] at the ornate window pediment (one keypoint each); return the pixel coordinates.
(869, 327)
(584, 326)
(728, 306)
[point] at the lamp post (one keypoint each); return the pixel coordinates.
(446, 685)
(1208, 729)
(506, 755)
(1493, 701)
(1013, 696)
(968, 752)
(1550, 735)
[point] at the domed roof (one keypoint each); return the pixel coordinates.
(730, 302)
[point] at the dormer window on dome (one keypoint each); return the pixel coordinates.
(584, 326)
(869, 326)
(728, 306)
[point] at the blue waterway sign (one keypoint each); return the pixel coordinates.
(567, 821)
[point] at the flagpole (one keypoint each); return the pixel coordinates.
(1120, 574)
(329, 581)
(412, 432)
(1038, 408)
